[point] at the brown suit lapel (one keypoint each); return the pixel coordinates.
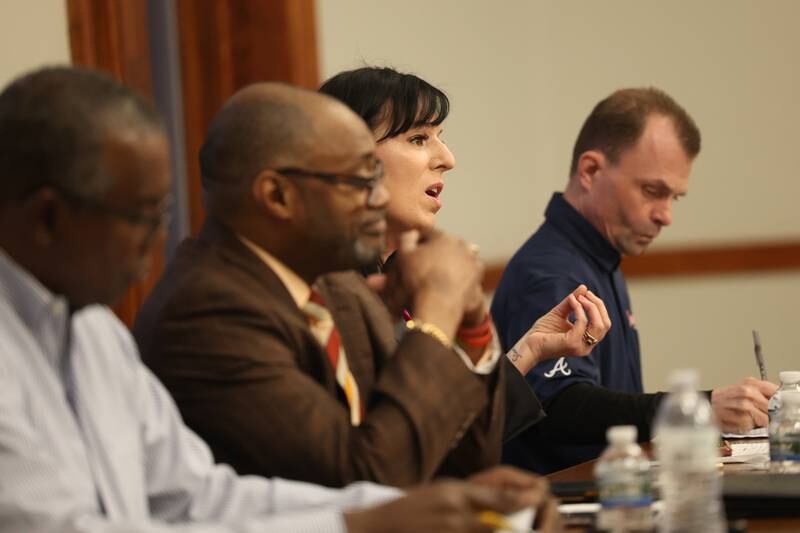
(231, 249)
(276, 296)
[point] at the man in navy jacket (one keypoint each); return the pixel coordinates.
(631, 161)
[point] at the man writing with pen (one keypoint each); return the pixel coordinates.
(630, 163)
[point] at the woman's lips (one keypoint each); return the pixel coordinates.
(433, 193)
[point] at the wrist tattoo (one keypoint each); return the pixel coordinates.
(514, 355)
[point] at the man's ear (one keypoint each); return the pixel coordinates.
(275, 194)
(590, 163)
(43, 212)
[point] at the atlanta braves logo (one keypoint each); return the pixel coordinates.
(560, 366)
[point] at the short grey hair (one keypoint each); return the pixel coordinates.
(53, 125)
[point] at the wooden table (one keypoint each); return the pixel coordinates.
(585, 472)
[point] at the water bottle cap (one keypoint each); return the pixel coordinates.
(790, 398)
(790, 376)
(685, 378)
(621, 434)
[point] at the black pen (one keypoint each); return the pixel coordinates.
(759, 356)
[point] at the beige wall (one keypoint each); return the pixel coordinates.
(32, 33)
(706, 323)
(522, 76)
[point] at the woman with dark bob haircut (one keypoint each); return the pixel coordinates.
(406, 115)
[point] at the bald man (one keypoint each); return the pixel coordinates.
(284, 362)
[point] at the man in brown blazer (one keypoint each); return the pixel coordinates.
(286, 363)
(225, 331)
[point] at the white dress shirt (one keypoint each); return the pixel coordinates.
(90, 441)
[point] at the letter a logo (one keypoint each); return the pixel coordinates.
(560, 366)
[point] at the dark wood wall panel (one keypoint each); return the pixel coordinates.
(227, 44)
(705, 261)
(111, 35)
(715, 260)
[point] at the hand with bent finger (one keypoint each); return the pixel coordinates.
(433, 276)
(553, 335)
(444, 507)
(742, 407)
(548, 517)
(475, 308)
(530, 490)
(454, 506)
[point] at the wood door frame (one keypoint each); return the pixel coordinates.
(224, 45)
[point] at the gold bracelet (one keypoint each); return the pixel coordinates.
(432, 330)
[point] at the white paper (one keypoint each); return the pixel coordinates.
(757, 433)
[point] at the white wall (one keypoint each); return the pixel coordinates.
(32, 33)
(522, 76)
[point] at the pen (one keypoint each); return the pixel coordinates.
(759, 356)
(499, 523)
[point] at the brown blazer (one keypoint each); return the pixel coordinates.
(224, 335)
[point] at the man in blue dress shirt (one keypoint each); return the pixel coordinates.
(89, 439)
(631, 161)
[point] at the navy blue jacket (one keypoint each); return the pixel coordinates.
(563, 253)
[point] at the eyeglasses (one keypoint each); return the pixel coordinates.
(369, 183)
(153, 222)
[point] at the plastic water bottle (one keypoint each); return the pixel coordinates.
(784, 435)
(790, 381)
(687, 447)
(625, 484)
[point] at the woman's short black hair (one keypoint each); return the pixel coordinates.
(381, 95)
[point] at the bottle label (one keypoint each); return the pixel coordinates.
(625, 519)
(785, 447)
(630, 490)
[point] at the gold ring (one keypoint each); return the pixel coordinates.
(589, 339)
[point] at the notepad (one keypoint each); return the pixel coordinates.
(757, 433)
(748, 452)
(749, 448)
